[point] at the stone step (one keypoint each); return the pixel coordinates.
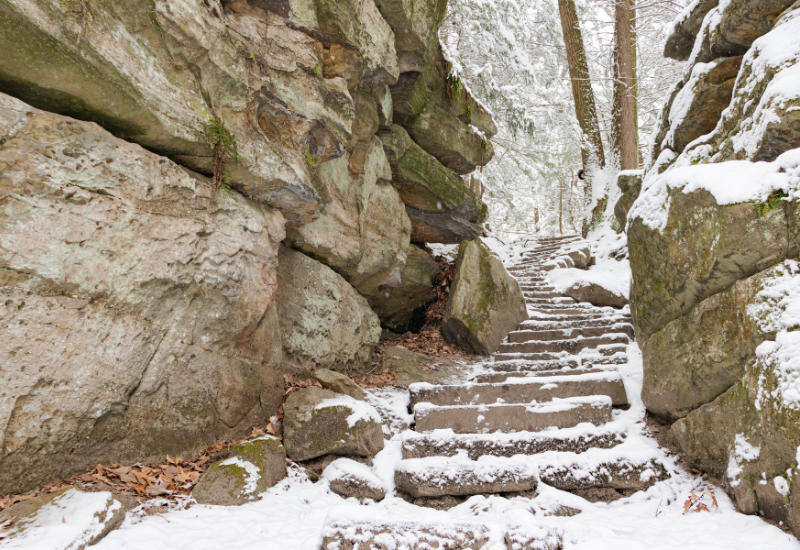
(604, 321)
(498, 377)
(567, 313)
(355, 534)
(577, 440)
(518, 336)
(617, 468)
(571, 346)
(534, 417)
(539, 292)
(438, 476)
(523, 390)
(516, 365)
(598, 353)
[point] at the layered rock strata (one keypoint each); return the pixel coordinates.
(709, 238)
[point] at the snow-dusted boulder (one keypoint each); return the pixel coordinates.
(68, 519)
(352, 479)
(694, 232)
(604, 284)
(485, 302)
(318, 422)
(242, 472)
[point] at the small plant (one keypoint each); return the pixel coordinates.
(469, 113)
(310, 157)
(773, 202)
(317, 70)
(225, 148)
(453, 86)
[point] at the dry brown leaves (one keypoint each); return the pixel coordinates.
(699, 503)
(290, 385)
(430, 342)
(171, 479)
(441, 286)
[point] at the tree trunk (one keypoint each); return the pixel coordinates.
(626, 132)
(585, 109)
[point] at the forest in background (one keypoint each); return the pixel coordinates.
(512, 56)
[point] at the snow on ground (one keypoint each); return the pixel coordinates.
(291, 515)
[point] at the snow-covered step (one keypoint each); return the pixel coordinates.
(516, 365)
(569, 333)
(403, 535)
(602, 321)
(596, 354)
(523, 390)
(578, 439)
(533, 417)
(572, 345)
(541, 293)
(563, 313)
(497, 377)
(439, 476)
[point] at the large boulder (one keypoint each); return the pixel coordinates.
(485, 302)
(700, 355)
(703, 248)
(685, 29)
(138, 315)
(68, 519)
(698, 106)
(363, 230)
(398, 307)
(324, 322)
(240, 473)
(157, 73)
(319, 422)
(454, 143)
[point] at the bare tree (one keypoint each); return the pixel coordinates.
(624, 116)
(585, 109)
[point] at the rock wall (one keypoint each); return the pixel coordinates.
(144, 314)
(711, 237)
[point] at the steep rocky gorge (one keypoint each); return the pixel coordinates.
(143, 314)
(713, 236)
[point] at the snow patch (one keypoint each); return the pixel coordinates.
(742, 451)
(360, 410)
(252, 471)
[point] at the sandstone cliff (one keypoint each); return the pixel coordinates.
(145, 314)
(709, 235)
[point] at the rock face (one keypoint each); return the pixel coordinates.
(157, 73)
(318, 422)
(242, 472)
(699, 104)
(40, 521)
(680, 43)
(712, 291)
(441, 206)
(397, 307)
(485, 302)
(138, 313)
(325, 323)
(363, 230)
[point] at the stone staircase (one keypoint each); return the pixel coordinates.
(542, 411)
